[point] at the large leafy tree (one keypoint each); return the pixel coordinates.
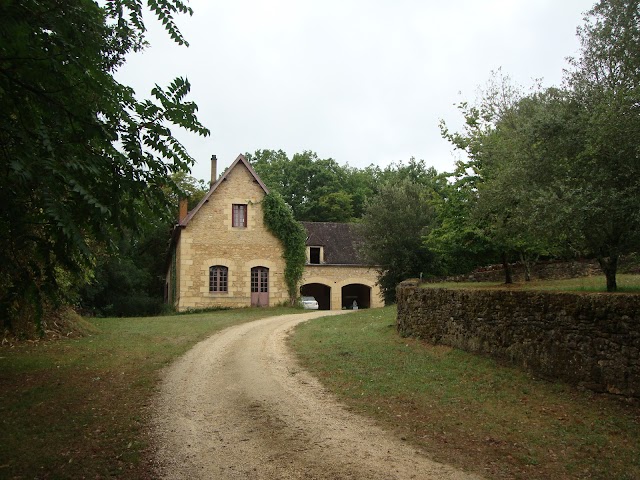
(528, 148)
(395, 221)
(457, 238)
(560, 169)
(605, 84)
(415, 171)
(485, 196)
(322, 190)
(587, 176)
(129, 280)
(317, 189)
(82, 158)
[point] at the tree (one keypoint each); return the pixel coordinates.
(492, 195)
(128, 280)
(393, 227)
(82, 158)
(274, 169)
(316, 189)
(522, 197)
(359, 185)
(457, 238)
(560, 169)
(415, 171)
(321, 190)
(190, 188)
(335, 207)
(605, 83)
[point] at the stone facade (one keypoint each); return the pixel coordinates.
(339, 278)
(207, 238)
(588, 339)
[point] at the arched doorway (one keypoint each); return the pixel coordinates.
(357, 292)
(320, 291)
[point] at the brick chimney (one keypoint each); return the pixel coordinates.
(214, 170)
(183, 210)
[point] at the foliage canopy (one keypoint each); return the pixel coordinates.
(393, 227)
(557, 171)
(82, 158)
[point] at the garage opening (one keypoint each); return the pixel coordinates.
(357, 292)
(321, 292)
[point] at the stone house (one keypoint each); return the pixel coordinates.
(223, 255)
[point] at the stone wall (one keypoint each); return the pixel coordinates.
(592, 340)
(543, 271)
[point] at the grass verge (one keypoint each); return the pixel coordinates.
(627, 283)
(78, 408)
(467, 410)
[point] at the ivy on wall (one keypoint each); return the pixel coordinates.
(278, 218)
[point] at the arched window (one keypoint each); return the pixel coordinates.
(218, 278)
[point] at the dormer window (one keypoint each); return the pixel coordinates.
(239, 215)
(315, 255)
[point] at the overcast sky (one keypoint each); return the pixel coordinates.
(358, 81)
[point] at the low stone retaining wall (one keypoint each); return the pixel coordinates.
(592, 340)
(541, 271)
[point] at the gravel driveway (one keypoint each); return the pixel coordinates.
(237, 406)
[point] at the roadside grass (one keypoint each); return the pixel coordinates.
(79, 408)
(468, 410)
(627, 283)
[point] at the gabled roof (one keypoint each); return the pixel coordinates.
(241, 159)
(341, 242)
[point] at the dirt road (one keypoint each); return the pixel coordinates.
(237, 406)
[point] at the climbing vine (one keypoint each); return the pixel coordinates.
(278, 218)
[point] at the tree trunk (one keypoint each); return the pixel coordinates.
(527, 267)
(507, 270)
(609, 266)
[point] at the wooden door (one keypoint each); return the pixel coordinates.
(259, 287)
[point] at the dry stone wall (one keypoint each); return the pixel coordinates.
(542, 271)
(592, 340)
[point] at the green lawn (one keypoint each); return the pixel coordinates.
(627, 283)
(468, 410)
(79, 408)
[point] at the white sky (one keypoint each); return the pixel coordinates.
(358, 81)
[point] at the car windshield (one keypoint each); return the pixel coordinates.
(308, 299)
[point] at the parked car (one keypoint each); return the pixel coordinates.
(309, 303)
